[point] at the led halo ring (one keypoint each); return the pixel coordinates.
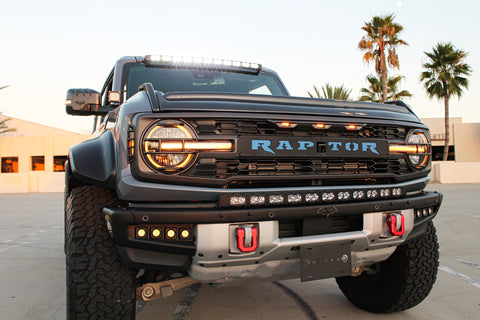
(171, 132)
(421, 159)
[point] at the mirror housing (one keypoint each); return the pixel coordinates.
(85, 102)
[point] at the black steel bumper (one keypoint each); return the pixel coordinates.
(177, 254)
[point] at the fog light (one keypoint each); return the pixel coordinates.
(425, 212)
(358, 194)
(237, 201)
(294, 198)
(185, 234)
(255, 200)
(275, 199)
(418, 213)
(311, 197)
(430, 211)
(156, 233)
(328, 196)
(141, 233)
(171, 233)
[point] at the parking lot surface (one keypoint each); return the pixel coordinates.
(32, 272)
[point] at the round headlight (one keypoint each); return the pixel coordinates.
(421, 158)
(163, 146)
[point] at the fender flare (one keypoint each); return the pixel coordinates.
(92, 162)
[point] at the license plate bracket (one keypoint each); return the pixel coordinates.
(321, 261)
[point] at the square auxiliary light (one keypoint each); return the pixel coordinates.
(275, 199)
(237, 201)
(311, 197)
(257, 200)
(294, 198)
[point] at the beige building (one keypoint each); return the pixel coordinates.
(33, 157)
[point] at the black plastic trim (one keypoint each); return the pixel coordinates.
(122, 217)
(92, 161)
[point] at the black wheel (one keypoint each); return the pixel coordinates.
(99, 286)
(399, 283)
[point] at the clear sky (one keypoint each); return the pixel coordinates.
(50, 46)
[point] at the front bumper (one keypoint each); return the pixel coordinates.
(275, 256)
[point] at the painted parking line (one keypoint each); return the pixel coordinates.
(460, 276)
(469, 263)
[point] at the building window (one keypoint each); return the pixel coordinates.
(38, 163)
(59, 163)
(9, 164)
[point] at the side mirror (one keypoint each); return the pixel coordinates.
(84, 102)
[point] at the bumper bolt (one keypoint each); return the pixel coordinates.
(148, 292)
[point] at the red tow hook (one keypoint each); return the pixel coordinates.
(396, 224)
(251, 243)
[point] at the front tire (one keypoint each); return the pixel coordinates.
(399, 283)
(99, 286)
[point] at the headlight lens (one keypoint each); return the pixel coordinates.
(168, 135)
(421, 158)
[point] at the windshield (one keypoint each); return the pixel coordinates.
(187, 80)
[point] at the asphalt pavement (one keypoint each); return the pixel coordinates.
(32, 272)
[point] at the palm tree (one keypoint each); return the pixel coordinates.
(374, 91)
(382, 38)
(3, 126)
(445, 76)
(329, 92)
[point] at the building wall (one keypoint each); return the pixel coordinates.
(27, 180)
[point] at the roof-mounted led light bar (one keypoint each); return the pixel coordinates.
(203, 63)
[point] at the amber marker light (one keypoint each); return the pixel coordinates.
(353, 127)
(286, 124)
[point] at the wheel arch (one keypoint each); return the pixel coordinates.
(92, 162)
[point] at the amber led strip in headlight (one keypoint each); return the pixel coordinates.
(195, 146)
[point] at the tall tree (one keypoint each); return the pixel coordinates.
(329, 92)
(380, 43)
(374, 91)
(445, 76)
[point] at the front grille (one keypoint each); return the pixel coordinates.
(263, 127)
(248, 171)
(245, 167)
